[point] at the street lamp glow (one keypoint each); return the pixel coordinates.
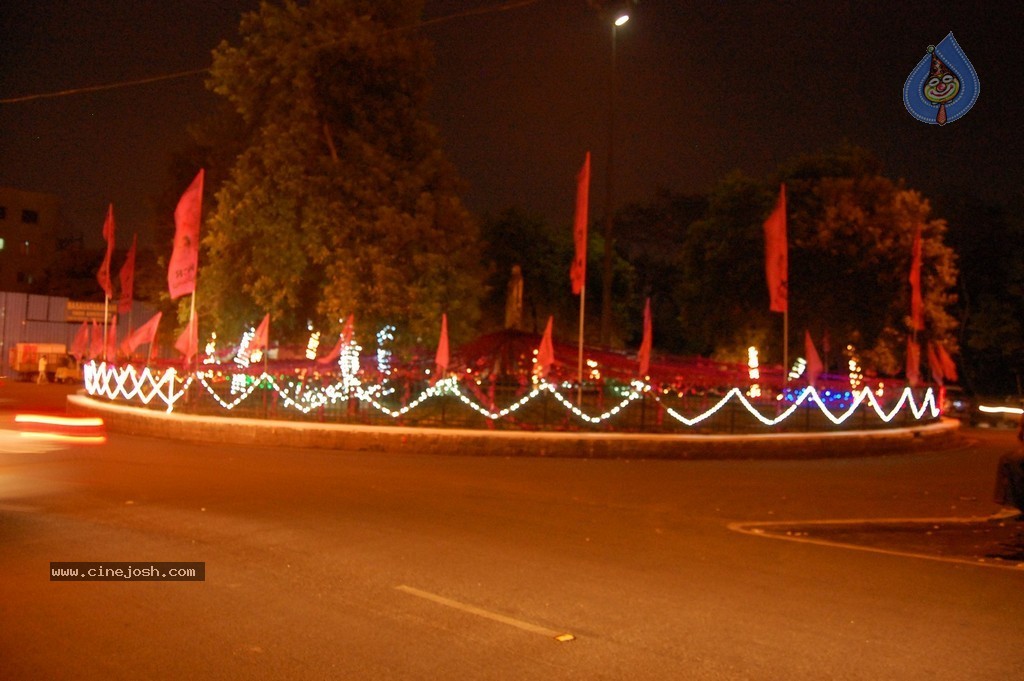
(622, 18)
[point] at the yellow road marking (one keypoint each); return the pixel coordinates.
(758, 529)
(474, 610)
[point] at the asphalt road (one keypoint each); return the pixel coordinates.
(340, 565)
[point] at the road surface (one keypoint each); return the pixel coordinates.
(341, 565)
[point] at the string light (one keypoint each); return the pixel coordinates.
(754, 372)
(312, 345)
(242, 358)
(856, 373)
(239, 383)
(384, 337)
(113, 383)
(348, 363)
(211, 350)
(145, 385)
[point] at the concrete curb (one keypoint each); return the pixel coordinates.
(265, 433)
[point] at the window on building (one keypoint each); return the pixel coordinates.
(1, 243)
(3, 212)
(26, 248)
(30, 217)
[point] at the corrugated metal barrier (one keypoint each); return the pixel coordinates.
(27, 318)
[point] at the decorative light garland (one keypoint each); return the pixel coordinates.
(385, 336)
(754, 372)
(113, 382)
(145, 386)
(856, 373)
(242, 357)
(798, 369)
(312, 345)
(211, 350)
(348, 363)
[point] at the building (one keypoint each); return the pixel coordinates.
(29, 224)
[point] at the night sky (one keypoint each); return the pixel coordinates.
(520, 95)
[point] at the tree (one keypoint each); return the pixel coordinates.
(653, 233)
(722, 297)
(514, 238)
(850, 233)
(341, 200)
(991, 292)
(544, 255)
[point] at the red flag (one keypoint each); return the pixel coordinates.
(546, 352)
(814, 364)
(96, 342)
(776, 255)
(103, 275)
(644, 355)
(913, 363)
(127, 278)
(80, 345)
(334, 354)
(262, 337)
(144, 334)
(110, 350)
(948, 365)
(578, 272)
(916, 304)
(181, 273)
(344, 339)
(188, 341)
(442, 357)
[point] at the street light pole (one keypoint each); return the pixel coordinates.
(609, 191)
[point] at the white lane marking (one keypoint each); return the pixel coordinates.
(757, 529)
(473, 610)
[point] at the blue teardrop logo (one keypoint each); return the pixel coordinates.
(943, 86)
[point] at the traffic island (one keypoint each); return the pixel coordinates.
(600, 445)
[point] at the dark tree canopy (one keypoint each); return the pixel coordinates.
(341, 200)
(652, 235)
(850, 233)
(990, 309)
(544, 254)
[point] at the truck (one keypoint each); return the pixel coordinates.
(23, 359)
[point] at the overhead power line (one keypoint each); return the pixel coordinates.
(511, 4)
(107, 86)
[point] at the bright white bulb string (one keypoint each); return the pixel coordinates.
(129, 384)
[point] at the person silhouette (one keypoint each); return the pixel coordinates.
(1010, 474)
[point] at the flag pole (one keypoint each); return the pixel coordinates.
(578, 271)
(191, 321)
(106, 312)
(579, 362)
(266, 370)
(785, 345)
